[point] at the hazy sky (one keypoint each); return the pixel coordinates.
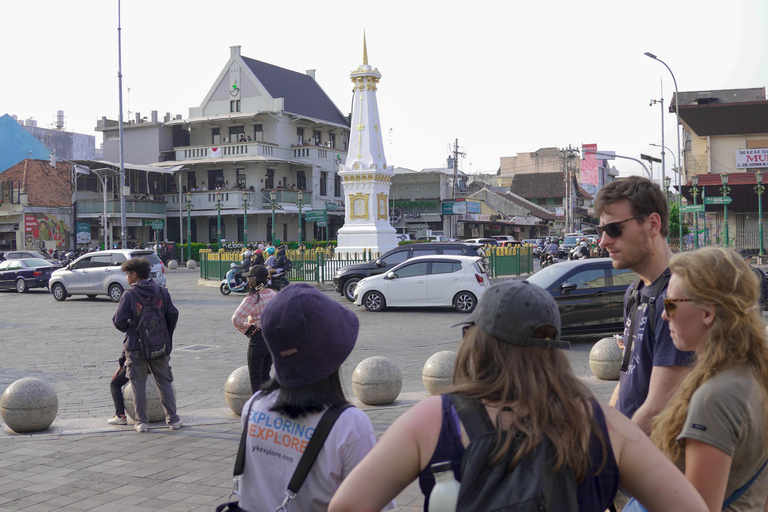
(502, 77)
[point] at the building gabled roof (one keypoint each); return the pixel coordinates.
(538, 185)
(44, 185)
(302, 94)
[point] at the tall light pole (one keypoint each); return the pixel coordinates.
(246, 205)
(725, 189)
(667, 181)
(189, 226)
(273, 198)
(123, 222)
(759, 188)
(679, 154)
(300, 196)
(695, 191)
(218, 217)
(660, 101)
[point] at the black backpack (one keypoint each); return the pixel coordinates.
(154, 338)
(532, 486)
(285, 264)
(635, 298)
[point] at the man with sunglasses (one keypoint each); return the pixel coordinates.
(634, 223)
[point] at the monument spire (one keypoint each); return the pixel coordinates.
(365, 176)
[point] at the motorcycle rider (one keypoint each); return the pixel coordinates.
(258, 258)
(551, 251)
(244, 267)
(583, 252)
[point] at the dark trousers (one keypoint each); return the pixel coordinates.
(119, 379)
(137, 369)
(259, 361)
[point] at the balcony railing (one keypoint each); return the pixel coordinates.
(233, 199)
(113, 206)
(237, 149)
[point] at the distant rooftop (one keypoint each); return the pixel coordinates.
(719, 96)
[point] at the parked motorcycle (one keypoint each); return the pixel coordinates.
(228, 284)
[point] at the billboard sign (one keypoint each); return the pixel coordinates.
(751, 158)
(454, 207)
(589, 171)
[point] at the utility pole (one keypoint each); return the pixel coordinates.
(456, 154)
(568, 154)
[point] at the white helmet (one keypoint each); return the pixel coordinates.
(583, 244)
(247, 254)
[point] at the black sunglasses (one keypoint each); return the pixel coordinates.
(614, 228)
(670, 305)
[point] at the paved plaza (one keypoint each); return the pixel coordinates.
(82, 463)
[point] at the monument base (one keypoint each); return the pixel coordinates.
(354, 239)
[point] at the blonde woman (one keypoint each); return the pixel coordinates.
(716, 425)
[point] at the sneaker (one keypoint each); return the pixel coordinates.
(117, 420)
(177, 425)
(141, 427)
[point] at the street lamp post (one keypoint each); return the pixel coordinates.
(725, 189)
(218, 217)
(695, 191)
(246, 205)
(667, 181)
(273, 198)
(759, 188)
(300, 196)
(679, 154)
(189, 226)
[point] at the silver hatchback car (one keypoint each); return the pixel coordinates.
(98, 273)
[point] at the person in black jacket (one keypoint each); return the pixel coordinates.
(125, 320)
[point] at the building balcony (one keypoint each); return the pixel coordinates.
(233, 200)
(93, 206)
(236, 150)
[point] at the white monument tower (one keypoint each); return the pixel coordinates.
(365, 176)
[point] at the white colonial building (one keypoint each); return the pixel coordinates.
(270, 133)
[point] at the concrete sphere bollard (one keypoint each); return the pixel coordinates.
(191, 264)
(29, 405)
(377, 381)
(173, 264)
(155, 411)
(237, 389)
(437, 374)
(605, 359)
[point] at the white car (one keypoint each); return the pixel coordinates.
(457, 281)
(98, 273)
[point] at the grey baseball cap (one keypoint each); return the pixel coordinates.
(511, 311)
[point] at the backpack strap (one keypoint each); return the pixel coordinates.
(315, 445)
(473, 415)
(634, 301)
(741, 490)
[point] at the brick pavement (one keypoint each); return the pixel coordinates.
(81, 463)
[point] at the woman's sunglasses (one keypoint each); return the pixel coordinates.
(614, 228)
(670, 305)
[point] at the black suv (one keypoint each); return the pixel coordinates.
(346, 278)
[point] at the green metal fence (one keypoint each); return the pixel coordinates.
(319, 266)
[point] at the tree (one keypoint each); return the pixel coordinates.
(674, 222)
